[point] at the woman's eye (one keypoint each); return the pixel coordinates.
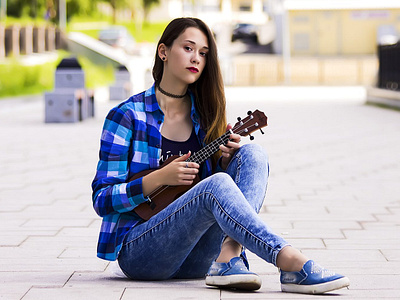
(188, 48)
(203, 53)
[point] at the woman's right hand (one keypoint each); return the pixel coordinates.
(177, 172)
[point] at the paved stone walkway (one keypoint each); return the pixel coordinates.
(334, 193)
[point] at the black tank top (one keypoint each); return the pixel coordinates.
(170, 148)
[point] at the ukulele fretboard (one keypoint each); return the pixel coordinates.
(204, 153)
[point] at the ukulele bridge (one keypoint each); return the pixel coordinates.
(150, 203)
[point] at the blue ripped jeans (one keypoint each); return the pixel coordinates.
(186, 237)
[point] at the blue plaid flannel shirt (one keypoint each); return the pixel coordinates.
(130, 143)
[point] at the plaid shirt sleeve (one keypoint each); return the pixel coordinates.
(111, 192)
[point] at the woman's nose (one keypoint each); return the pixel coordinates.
(195, 58)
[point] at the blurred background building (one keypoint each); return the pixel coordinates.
(314, 27)
(312, 41)
(338, 27)
(261, 42)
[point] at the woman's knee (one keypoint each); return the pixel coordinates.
(221, 179)
(251, 158)
(220, 186)
(255, 152)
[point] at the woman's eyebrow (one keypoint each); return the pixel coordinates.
(194, 43)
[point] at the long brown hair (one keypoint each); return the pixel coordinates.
(209, 88)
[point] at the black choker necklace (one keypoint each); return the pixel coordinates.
(169, 94)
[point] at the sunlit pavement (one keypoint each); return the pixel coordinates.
(334, 193)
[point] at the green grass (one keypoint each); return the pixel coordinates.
(146, 33)
(149, 32)
(96, 75)
(23, 21)
(17, 79)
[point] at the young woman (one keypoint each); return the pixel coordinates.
(205, 230)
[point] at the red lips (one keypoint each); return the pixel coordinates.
(193, 70)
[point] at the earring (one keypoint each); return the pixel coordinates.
(163, 58)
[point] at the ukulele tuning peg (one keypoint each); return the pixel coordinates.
(251, 137)
(261, 131)
(239, 119)
(249, 113)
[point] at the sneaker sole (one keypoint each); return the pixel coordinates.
(316, 288)
(242, 282)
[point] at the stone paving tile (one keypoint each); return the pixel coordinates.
(86, 279)
(391, 254)
(361, 244)
(374, 235)
(10, 240)
(307, 243)
(172, 289)
(346, 255)
(183, 292)
(49, 293)
(325, 225)
(333, 193)
(51, 264)
(16, 284)
(28, 253)
(342, 294)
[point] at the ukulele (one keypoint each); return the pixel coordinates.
(164, 195)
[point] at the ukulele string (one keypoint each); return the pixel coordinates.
(204, 153)
(244, 130)
(213, 146)
(157, 191)
(208, 149)
(243, 123)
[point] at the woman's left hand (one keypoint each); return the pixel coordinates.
(229, 149)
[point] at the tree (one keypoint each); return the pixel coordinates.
(80, 7)
(136, 8)
(147, 5)
(134, 5)
(48, 9)
(115, 5)
(32, 8)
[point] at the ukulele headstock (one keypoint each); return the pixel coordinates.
(254, 121)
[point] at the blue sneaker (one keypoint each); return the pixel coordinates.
(233, 275)
(312, 279)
